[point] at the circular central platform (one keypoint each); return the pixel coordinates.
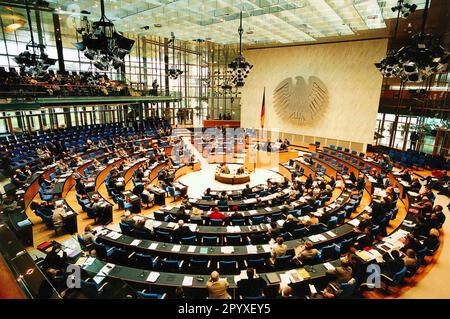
(231, 177)
(199, 181)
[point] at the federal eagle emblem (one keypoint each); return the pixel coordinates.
(300, 103)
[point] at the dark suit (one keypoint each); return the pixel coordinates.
(181, 232)
(392, 266)
(251, 287)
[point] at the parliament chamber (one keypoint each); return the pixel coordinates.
(242, 150)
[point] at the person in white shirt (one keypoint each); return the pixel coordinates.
(58, 215)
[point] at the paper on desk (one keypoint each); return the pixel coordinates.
(136, 242)
(187, 281)
(266, 248)
(328, 266)
(313, 289)
(354, 222)
(153, 246)
(153, 276)
(251, 249)
(331, 234)
(176, 248)
(191, 249)
(227, 249)
(285, 279)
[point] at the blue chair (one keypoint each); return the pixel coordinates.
(199, 266)
(84, 246)
(412, 270)
(238, 222)
(256, 220)
(120, 256)
(52, 176)
(233, 240)
(122, 204)
(347, 289)
(298, 232)
(146, 295)
(125, 228)
(173, 193)
(89, 211)
(258, 264)
(332, 222)
(163, 236)
(215, 222)
(160, 216)
(396, 280)
(102, 251)
(145, 261)
(283, 262)
(191, 240)
(168, 265)
(45, 197)
(210, 240)
(91, 289)
(329, 252)
(229, 267)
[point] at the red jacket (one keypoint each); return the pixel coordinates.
(216, 215)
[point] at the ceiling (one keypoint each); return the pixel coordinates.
(264, 22)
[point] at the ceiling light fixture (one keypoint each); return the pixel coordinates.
(404, 8)
(102, 44)
(415, 62)
(33, 63)
(174, 71)
(239, 67)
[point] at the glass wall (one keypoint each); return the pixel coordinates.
(149, 60)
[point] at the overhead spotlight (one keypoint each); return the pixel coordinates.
(117, 63)
(101, 64)
(102, 43)
(404, 8)
(90, 54)
(157, 25)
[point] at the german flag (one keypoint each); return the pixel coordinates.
(263, 108)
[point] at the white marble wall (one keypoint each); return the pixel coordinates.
(348, 72)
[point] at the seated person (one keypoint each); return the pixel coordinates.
(217, 287)
(240, 171)
(410, 259)
(365, 239)
(251, 287)
(278, 250)
(181, 231)
(236, 214)
(58, 215)
(393, 263)
(18, 178)
(246, 191)
(88, 235)
(216, 214)
(274, 230)
(225, 169)
(290, 224)
(432, 240)
(342, 273)
(306, 252)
